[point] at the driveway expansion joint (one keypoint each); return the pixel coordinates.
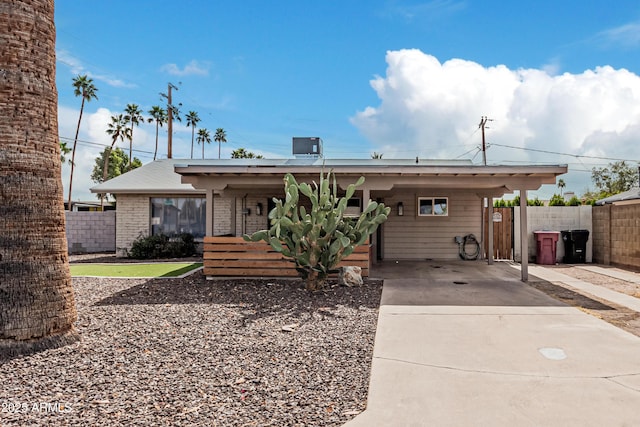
(514, 374)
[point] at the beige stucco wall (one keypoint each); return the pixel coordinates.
(414, 237)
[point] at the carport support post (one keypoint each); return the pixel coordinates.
(209, 217)
(366, 198)
(524, 242)
(490, 230)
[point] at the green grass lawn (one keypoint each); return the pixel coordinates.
(165, 269)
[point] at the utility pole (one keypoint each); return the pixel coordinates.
(482, 125)
(170, 110)
(485, 200)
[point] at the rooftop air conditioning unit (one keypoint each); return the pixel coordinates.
(309, 147)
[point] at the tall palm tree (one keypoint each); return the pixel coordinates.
(84, 87)
(561, 185)
(158, 115)
(133, 115)
(220, 136)
(203, 136)
(192, 120)
(118, 129)
(37, 307)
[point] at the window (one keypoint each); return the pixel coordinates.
(433, 206)
(174, 215)
(353, 207)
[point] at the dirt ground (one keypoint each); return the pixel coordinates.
(617, 315)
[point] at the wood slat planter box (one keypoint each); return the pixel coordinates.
(233, 256)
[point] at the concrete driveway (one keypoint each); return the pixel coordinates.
(468, 344)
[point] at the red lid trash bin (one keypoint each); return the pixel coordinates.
(546, 244)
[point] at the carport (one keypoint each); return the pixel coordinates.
(247, 185)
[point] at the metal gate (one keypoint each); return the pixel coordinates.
(502, 233)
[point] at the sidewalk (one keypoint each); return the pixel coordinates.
(552, 275)
(492, 351)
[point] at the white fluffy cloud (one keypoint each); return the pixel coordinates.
(432, 109)
(192, 68)
(92, 140)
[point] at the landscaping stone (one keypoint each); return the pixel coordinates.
(199, 352)
(351, 276)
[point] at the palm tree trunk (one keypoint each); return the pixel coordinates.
(156, 151)
(105, 163)
(192, 135)
(131, 146)
(37, 307)
(73, 153)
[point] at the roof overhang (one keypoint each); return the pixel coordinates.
(491, 180)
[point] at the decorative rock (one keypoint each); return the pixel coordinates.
(290, 328)
(351, 276)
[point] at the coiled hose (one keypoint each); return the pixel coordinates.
(470, 240)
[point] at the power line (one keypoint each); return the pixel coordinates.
(558, 153)
(99, 144)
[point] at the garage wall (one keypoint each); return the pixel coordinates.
(414, 237)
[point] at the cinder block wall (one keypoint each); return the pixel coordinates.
(553, 218)
(91, 232)
(618, 228)
(602, 234)
(222, 216)
(133, 219)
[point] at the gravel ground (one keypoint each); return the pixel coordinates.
(622, 317)
(197, 352)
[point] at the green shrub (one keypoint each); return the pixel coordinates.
(163, 246)
(556, 200)
(574, 201)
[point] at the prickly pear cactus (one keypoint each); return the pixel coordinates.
(317, 240)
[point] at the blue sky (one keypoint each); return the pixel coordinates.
(402, 78)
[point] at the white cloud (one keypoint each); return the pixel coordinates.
(77, 67)
(192, 68)
(92, 140)
(432, 109)
(429, 10)
(625, 35)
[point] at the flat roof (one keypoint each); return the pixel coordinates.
(165, 176)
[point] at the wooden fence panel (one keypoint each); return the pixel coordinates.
(502, 233)
(233, 256)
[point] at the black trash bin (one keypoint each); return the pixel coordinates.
(575, 246)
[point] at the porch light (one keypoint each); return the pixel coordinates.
(259, 209)
(400, 209)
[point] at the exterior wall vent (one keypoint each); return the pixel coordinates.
(307, 147)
